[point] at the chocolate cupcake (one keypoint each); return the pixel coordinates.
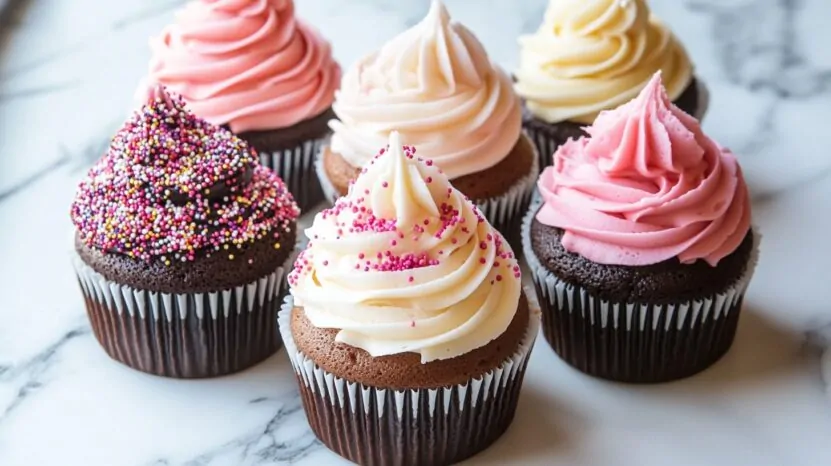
(641, 250)
(436, 85)
(592, 56)
(408, 328)
(255, 69)
(181, 241)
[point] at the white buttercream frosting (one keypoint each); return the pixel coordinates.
(434, 84)
(405, 263)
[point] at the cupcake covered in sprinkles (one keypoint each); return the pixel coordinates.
(407, 325)
(641, 250)
(181, 237)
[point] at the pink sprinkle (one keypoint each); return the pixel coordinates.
(499, 278)
(411, 279)
(361, 256)
(429, 179)
(412, 323)
(429, 163)
(393, 242)
(325, 263)
(483, 245)
(385, 184)
(482, 260)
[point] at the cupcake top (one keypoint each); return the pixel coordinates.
(436, 85)
(594, 55)
(173, 186)
(405, 263)
(247, 64)
(645, 186)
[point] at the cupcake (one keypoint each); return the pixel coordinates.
(595, 55)
(641, 250)
(255, 69)
(436, 85)
(180, 245)
(407, 325)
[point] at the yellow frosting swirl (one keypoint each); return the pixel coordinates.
(594, 55)
(405, 263)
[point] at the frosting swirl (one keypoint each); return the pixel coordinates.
(594, 55)
(436, 85)
(249, 64)
(645, 186)
(405, 263)
(172, 186)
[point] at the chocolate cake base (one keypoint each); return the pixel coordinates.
(431, 423)
(548, 137)
(636, 324)
(193, 335)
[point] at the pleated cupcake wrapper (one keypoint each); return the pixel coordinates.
(296, 167)
(376, 426)
(503, 212)
(547, 144)
(637, 342)
(184, 335)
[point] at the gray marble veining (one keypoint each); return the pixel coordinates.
(68, 69)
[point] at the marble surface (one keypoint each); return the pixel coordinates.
(67, 72)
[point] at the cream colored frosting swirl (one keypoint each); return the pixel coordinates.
(405, 263)
(594, 55)
(436, 85)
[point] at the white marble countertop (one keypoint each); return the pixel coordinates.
(67, 72)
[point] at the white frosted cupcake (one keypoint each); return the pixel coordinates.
(407, 326)
(435, 84)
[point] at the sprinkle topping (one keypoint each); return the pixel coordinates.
(173, 185)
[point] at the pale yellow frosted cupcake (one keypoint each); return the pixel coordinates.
(594, 55)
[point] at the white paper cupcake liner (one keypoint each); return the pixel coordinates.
(634, 341)
(184, 335)
(504, 212)
(377, 426)
(295, 166)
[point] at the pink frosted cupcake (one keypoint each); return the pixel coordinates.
(641, 250)
(254, 68)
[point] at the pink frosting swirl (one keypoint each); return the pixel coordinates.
(645, 186)
(249, 64)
